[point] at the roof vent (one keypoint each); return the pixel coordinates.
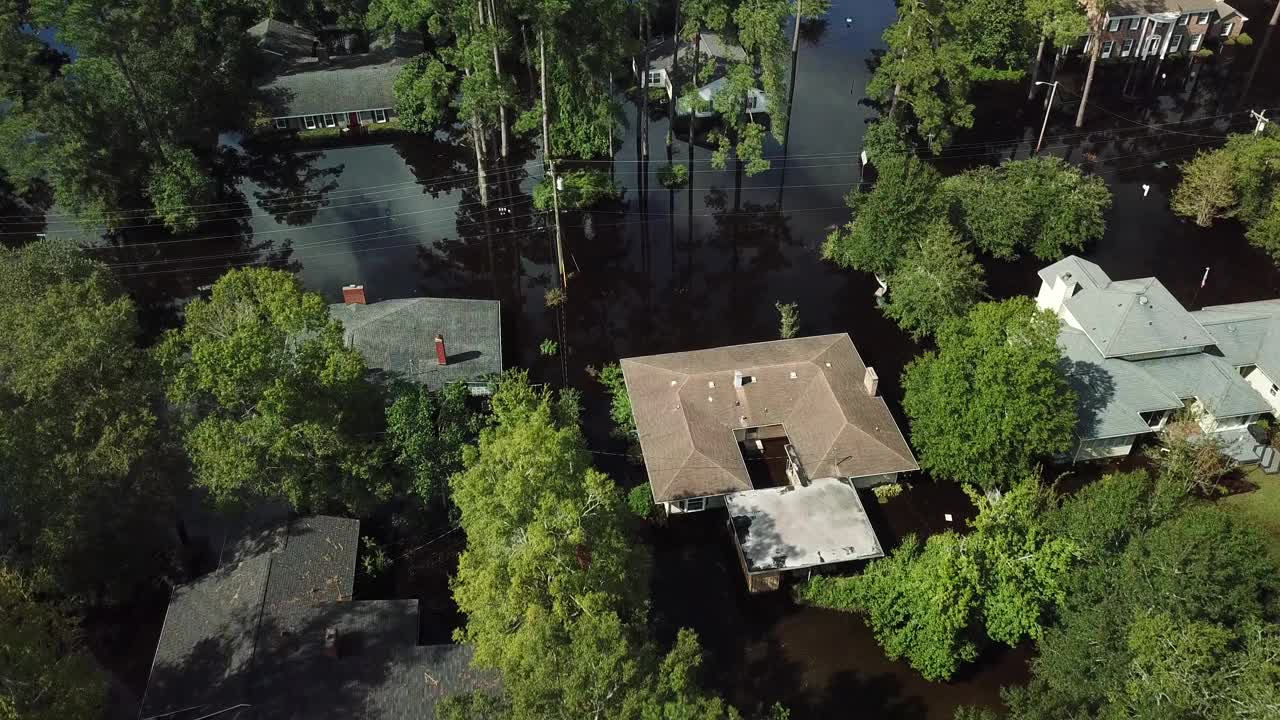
(711, 384)
(793, 375)
(1143, 299)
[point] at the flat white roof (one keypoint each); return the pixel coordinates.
(794, 527)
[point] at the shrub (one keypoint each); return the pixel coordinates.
(640, 501)
(788, 320)
(624, 423)
(548, 348)
(582, 189)
(673, 176)
(886, 492)
(373, 558)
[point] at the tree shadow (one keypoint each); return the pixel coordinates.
(1094, 386)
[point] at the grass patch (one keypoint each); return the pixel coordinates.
(1261, 506)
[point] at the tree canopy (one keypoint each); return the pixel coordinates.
(938, 280)
(272, 402)
(46, 674)
(427, 430)
(990, 402)
(935, 604)
(1241, 179)
(78, 426)
(1040, 205)
(888, 218)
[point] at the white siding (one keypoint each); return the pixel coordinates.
(676, 507)
(1264, 385)
(1165, 353)
(1104, 448)
(871, 481)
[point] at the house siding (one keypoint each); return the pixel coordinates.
(1154, 34)
(1100, 448)
(1264, 386)
(340, 117)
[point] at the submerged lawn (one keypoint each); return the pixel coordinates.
(1262, 506)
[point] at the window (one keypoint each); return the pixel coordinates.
(281, 123)
(1106, 48)
(1115, 25)
(695, 504)
(655, 77)
(329, 121)
(1226, 29)
(1274, 389)
(1203, 19)
(380, 115)
(1184, 19)
(1175, 43)
(310, 122)
(1135, 23)
(1195, 42)
(1128, 48)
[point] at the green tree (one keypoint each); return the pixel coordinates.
(424, 90)
(45, 673)
(990, 401)
(788, 320)
(1191, 459)
(170, 77)
(1059, 22)
(582, 189)
(934, 604)
(1207, 191)
(427, 430)
(272, 402)
(887, 218)
(937, 281)
(84, 503)
(624, 423)
(1041, 205)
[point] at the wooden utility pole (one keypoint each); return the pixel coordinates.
(1275, 16)
(546, 157)
(1262, 119)
(795, 38)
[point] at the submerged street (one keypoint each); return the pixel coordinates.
(665, 270)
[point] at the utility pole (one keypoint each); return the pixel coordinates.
(1275, 16)
(1048, 109)
(546, 157)
(1262, 119)
(795, 39)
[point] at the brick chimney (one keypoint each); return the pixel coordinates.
(871, 381)
(441, 356)
(353, 294)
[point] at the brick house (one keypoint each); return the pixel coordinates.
(1145, 28)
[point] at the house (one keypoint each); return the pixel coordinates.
(715, 53)
(1147, 28)
(430, 341)
(1135, 357)
(781, 433)
(273, 634)
(311, 84)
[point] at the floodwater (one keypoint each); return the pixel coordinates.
(677, 270)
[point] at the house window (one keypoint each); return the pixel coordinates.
(695, 504)
(1128, 48)
(329, 121)
(1175, 43)
(309, 121)
(655, 77)
(1135, 23)
(1184, 19)
(1195, 42)
(281, 123)
(1203, 19)
(1115, 25)
(380, 115)
(1226, 29)
(1106, 48)
(1274, 390)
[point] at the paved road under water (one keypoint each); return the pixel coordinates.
(665, 271)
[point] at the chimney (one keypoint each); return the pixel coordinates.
(353, 294)
(441, 356)
(737, 378)
(331, 642)
(871, 381)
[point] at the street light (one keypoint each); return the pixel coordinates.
(1048, 108)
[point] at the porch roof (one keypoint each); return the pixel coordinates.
(796, 527)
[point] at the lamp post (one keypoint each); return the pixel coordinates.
(1048, 109)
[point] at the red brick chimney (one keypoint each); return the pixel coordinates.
(441, 356)
(353, 294)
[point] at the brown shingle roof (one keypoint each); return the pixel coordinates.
(687, 409)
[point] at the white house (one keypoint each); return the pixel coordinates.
(713, 52)
(1134, 355)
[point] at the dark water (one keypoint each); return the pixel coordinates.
(665, 271)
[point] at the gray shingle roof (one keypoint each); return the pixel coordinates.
(1111, 394)
(349, 83)
(398, 337)
(1124, 8)
(254, 633)
(1127, 317)
(284, 39)
(687, 410)
(1246, 333)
